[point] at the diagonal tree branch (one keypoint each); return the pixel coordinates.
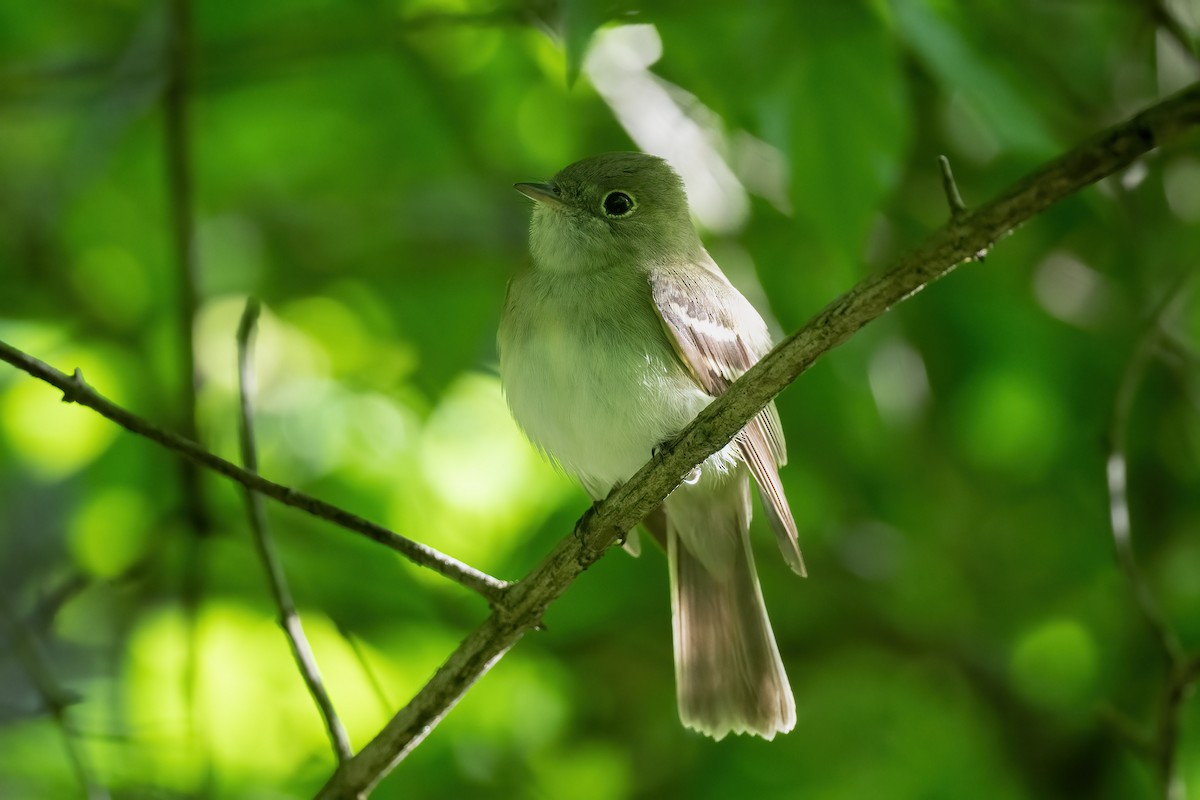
(519, 607)
(76, 390)
(967, 234)
(289, 620)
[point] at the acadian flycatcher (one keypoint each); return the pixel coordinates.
(620, 333)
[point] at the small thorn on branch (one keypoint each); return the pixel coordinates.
(957, 206)
(720, 422)
(76, 388)
(955, 201)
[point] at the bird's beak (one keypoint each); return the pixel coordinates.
(540, 192)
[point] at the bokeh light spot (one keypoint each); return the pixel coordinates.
(1008, 420)
(110, 531)
(1054, 663)
(110, 281)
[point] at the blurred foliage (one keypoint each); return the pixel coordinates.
(964, 627)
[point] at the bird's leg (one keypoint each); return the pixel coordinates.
(584, 523)
(580, 528)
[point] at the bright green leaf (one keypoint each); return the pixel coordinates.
(949, 54)
(849, 125)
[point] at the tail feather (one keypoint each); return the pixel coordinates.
(729, 676)
(755, 445)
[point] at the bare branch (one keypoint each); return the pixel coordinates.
(1166, 740)
(289, 620)
(1117, 478)
(1161, 750)
(1185, 673)
(33, 660)
(937, 256)
(76, 390)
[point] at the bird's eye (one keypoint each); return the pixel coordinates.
(618, 204)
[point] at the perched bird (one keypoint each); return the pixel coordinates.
(623, 329)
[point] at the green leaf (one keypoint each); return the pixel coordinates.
(848, 125)
(948, 54)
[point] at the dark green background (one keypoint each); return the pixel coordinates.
(964, 628)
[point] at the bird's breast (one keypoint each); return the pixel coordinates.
(592, 379)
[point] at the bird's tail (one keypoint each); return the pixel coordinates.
(729, 677)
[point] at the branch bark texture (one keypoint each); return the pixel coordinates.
(76, 390)
(964, 237)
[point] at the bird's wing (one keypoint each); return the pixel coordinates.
(718, 336)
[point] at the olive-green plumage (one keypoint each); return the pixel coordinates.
(618, 335)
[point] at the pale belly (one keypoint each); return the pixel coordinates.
(598, 393)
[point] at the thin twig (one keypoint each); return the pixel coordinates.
(51, 601)
(604, 523)
(1164, 754)
(1118, 490)
(1163, 17)
(1162, 749)
(1185, 673)
(372, 677)
(76, 390)
(953, 198)
(29, 654)
(289, 620)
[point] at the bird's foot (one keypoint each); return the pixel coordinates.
(583, 528)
